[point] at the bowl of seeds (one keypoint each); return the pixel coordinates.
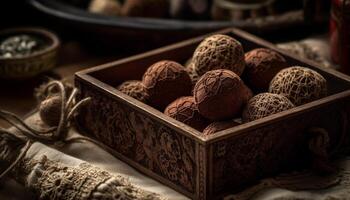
(27, 52)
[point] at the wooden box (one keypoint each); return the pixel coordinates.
(178, 155)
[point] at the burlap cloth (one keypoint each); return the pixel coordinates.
(297, 185)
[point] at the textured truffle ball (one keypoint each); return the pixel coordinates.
(299, 84)
(261, 66)
(265, 104)
(219, 126)
(193, 74)
(50, 110)
(185, 110)
(105, 7)
(146, 8)
(166, 81)
(219, 52)
(218, 94)
(135, 89)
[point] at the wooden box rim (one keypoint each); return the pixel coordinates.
(185, 129)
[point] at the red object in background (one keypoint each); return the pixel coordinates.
(340, 34)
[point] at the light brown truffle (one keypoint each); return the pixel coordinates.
(135, 89)
(219, 126)
(261, 66)
(185, 110)
(299, 84)
(166, 81)
(105, 7)
(145, 8)
(219, 52)
(50, 110)
(219, 94)
(265, 104)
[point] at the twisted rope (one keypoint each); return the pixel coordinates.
(47, 135)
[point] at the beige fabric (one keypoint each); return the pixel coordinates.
(76, 153)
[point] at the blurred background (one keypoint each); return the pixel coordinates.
(92, 32)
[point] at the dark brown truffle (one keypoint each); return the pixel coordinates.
(185, 110)
(166, 81)
(50, 110)
(219, 126)
(219, 94)
(265, 104)
(299, 84)
(261, 66)
(135, 89)
(247, 94)
(219, 52)
(143, 8)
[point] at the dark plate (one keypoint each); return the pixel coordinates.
(121, 32)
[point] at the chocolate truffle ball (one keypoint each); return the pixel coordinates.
(265, 104)
(145, 8)
(135, 89)
(247, 94)
(219, 126)
(50, 110)
(166, 81)
(185, 110)
(261, 66)
(218, 94)
(219, 52)
(105, 7)
(193, 74)
(299, 84)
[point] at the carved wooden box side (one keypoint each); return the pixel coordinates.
(236, 160)
(141, 141)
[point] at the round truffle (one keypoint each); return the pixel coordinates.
(145, 8)
(247, 94)
(50, 110)
(219, 126)
(185, 110)
(193, 74)
(166, 81)
(299, 84)
(219, 52)
(261, 66)
(105, 7)
(135, 89)
(218, 94)
(265, 104)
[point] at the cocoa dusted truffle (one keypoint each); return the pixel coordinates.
(166, 81)
(247, 94)
(265, 104)
(219, 52)
(219, 126)
(261, 66)
(135, 89)
(299, 84)
(219, 94)
(185, 110)
(145, 8)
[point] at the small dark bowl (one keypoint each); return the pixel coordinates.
(27, 66)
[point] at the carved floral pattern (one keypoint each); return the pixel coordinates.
(142, 139)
